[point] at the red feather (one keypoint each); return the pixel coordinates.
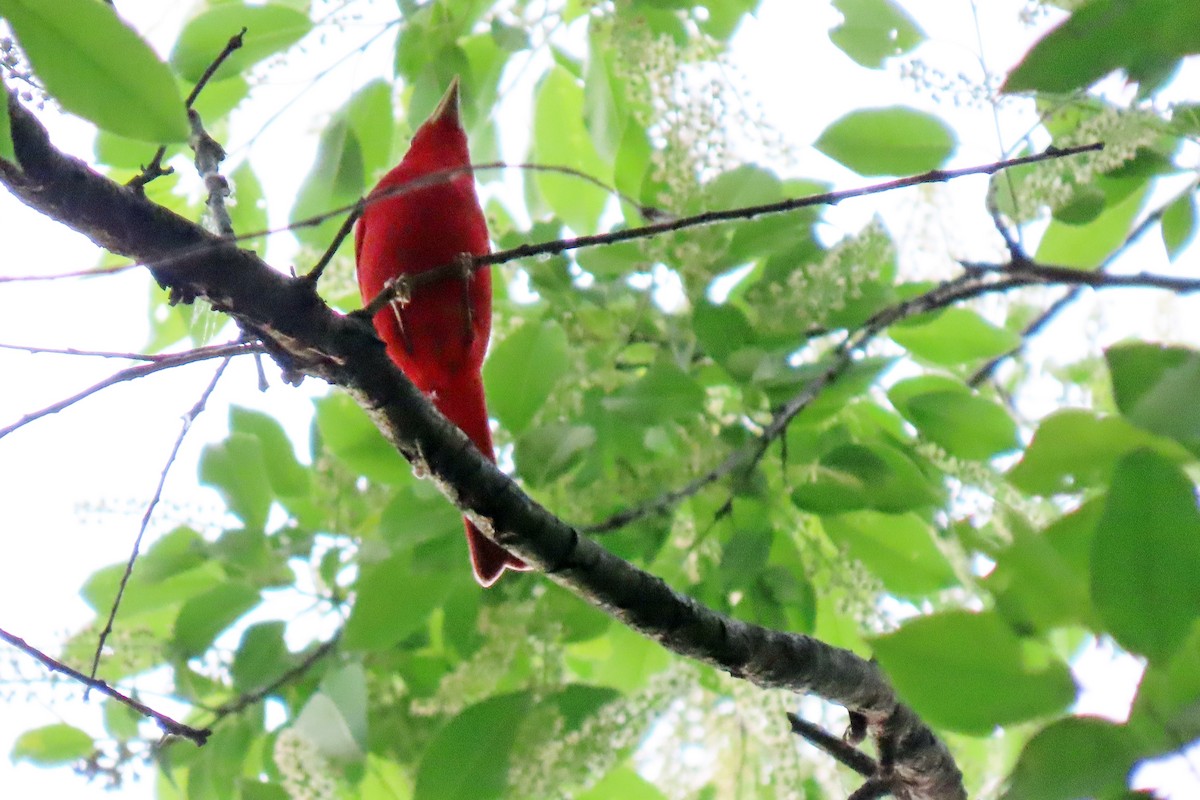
(440, 336)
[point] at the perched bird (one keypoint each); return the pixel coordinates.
(425, 214)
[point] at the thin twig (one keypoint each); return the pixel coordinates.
(188, 419)
(961, 288)
(133, 373)
(835, 746)
(169, 725)
(1054, 309)
(71, 351)
(706, 218)
(454, 270)
(314, 274)
(235, 43)
(250, 698)
(1033, 273)
(155, 169)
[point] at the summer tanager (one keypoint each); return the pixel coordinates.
(421, 216)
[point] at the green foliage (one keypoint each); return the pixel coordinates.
(270, 29)
(98, 67)
(903, 496)
(969, 672)
(1145, 38)
(6, 143)
(874, 30)
(888, 141)
(53, 745)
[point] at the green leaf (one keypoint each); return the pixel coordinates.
(350, 435)
(251, 556)
(251, 789)
(625, 783)
(176, 552)
(369, 112)
(468, 759)
(262, 656)
(334, 717)
(120, 720)
(860, 476)
(899, 549)
(545, 453)
(1155, 387)
(322, 723)
(417, 515)
(603, 93)
(288, 477)
(560, 138)
(249, 209)
(337, 180)
(347, 688)
(1036, 583)
(391, 602)
(6, 143)
(204, 616)
(270, 28)
(384, 780)
(53, 745)
(144, 595)
(953, 336)
(99, 68)
(1088, 246)
(664, 393)
(721, 329)
(1073, 757)
(852, 382)
(951, 415)
(1140, 36)
(874, 30)
(1166, 710)
(888, 141)
(236, 469)
(1074, 449)
(523, 369)
(984, 676)
(1179, 221)
(1146, 556)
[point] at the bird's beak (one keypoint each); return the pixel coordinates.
(447, 107)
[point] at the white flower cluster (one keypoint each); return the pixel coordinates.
(305, 772)
(562, 764)
(814, 290)
(506, 630)
(1054, 183)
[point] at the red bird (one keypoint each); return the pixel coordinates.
(439, 336)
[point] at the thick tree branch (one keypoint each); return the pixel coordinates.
(307, 338)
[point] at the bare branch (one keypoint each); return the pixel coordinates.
(133, 373)
(1054, 309)
(188, 419)
(155, 169)
(705, 219)
(250, 698)
(834, 746)
(980, 279)
(71, 351)
(169, 725)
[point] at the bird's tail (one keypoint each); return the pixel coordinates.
(463, 404)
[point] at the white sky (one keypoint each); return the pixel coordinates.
(73, 486)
